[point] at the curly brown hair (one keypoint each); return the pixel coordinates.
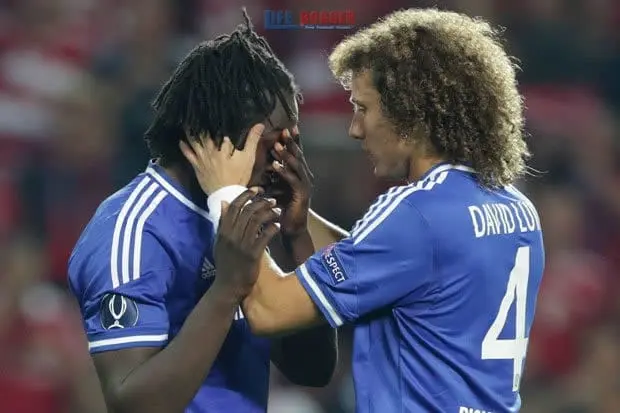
(449, 74)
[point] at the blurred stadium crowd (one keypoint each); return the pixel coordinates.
(76, 80)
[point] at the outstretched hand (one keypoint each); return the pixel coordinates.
(216, 167)
(246, 227)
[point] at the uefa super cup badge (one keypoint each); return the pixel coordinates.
(118, 311)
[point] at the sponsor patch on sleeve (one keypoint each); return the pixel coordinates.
(333, 265)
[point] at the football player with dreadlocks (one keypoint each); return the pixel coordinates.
(165, 332)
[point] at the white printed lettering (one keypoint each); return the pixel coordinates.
(502, 219)
(508, 218)
(477, 221)
(491, 228)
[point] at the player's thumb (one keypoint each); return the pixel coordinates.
(254, 136)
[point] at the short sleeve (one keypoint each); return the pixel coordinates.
(122, 295)
(386, 260)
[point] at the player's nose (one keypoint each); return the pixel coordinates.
(355, 131)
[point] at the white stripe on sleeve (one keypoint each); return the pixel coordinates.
(137, 246)
(331, 311)
(114, 262)
(129, 227)
(161, 338)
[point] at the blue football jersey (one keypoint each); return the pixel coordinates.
(138, 270)
(440, 279)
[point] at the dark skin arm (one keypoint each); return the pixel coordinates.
(165, 380)
(306, 358)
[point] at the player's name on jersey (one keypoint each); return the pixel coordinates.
(503, 218)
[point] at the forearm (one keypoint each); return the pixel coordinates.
(323, 232)
(257, 307)
(278, 304)
(168, 381)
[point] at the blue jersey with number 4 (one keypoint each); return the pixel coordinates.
(139, 269)
(440, 279)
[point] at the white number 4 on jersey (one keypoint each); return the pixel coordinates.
(494, 348)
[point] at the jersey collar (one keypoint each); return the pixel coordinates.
(445, 166)
(174, 188)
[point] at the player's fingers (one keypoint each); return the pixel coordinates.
(246, 213)
(227, 147)
(206, 150)
(189, 153)
(210, 147)
(307, 173)
(297, 137)
(287, 159)
(196, 143)
(290, 144)
(304, 169)
(264, 238)
(293, 146)
(258, 221)
(252, 213)
(258, 189)
(230, 217)
(253, 138)
(286, 172)
(285, 136)
(289, 162)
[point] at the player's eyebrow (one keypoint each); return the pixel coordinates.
(355, 101)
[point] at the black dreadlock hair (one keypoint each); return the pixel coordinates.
(221, 88)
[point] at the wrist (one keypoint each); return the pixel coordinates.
(294, 234)
(299, 247)
(297, 240)
(228, 294)
(224, 194)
